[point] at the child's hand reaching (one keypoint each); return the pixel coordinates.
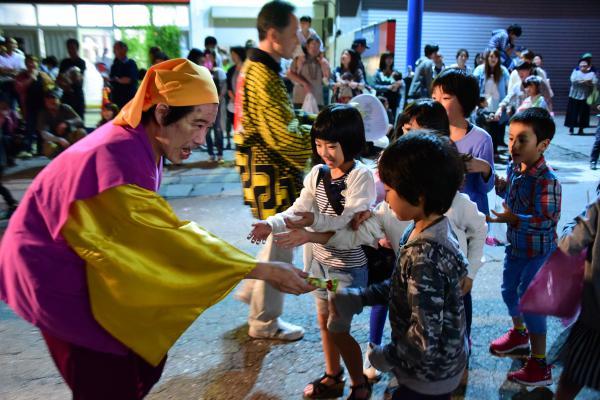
(359, 218)
(291, 239)
(504, 217)
(306, 219)
(260, 232)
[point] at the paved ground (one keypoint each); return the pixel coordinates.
(215, 359)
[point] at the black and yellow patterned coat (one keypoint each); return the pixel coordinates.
(272, 149)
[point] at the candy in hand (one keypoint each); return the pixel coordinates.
(329, 284)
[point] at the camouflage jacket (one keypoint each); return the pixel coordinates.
(427, 317)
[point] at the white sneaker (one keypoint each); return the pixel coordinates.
(286, 332)
(370, 371)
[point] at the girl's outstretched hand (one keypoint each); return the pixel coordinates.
(291, 239)
(306, 219)
(260, 232)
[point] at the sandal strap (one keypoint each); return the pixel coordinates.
(337, 377)
(365, 385)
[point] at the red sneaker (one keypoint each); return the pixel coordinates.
(534, 373)
(509, 342)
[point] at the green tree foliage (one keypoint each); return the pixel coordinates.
(166, 37)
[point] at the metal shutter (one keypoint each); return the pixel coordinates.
(560, 31)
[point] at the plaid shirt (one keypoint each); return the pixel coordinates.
(534, 196)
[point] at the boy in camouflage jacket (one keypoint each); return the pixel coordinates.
(428, 349)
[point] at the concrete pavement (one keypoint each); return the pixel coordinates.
(215, 359)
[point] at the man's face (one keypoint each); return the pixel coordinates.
(72, 50)
(305, 26)
(119, 51)
(51, 103)
(360, 48)
(177, 140)
(286, 40)
(11, 45)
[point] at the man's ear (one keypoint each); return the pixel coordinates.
(160, 112)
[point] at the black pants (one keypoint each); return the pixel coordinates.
(596, 148)
(5, 193)
(578, 114)
(496, 131)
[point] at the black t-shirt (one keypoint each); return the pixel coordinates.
(67, 63)
(122, 93)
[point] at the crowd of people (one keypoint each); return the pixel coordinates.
(406, 239)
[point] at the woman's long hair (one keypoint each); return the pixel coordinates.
(353, 64)
(382, 63)
(496, 72)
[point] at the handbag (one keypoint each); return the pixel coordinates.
(557, 287)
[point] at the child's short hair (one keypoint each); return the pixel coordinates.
(540, 121)
(343, 124)
(482, 99)
(459, 83)
(423, 165)
(429, 114)
(533, 80)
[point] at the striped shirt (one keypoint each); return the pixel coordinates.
(327, 255)
(534, 196)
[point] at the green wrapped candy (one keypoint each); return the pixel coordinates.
(329, 284)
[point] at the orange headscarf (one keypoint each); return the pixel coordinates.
(177, 82)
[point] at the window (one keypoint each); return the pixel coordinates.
(17, 14)
(170, 15)
(131, 15)
(94, 15)
(56, 15)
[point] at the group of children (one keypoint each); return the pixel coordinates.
(435, 176)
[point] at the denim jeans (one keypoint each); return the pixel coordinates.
(518, 274)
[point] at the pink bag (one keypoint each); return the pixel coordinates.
(556, 288)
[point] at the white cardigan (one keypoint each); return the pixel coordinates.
(359, 194)
(467, 223)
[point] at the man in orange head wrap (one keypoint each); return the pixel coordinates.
(99, 262)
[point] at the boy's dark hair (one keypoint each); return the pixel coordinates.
(72, 41)
(527, 55)
(210, 41)
(516, 29)
(306, 18)
(428, 114)
(275, 14)
(540, 121)
(340, 123)
(430, 49)
(173, 115)
(112, 107)
(423, 165)
(459, 83)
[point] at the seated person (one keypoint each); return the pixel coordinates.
(58, 125)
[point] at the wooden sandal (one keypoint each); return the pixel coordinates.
(323, 391)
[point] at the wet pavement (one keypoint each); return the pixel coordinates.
(215, 359)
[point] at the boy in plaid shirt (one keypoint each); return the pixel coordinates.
(532, 197)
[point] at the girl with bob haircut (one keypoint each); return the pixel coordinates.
(334, 190)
